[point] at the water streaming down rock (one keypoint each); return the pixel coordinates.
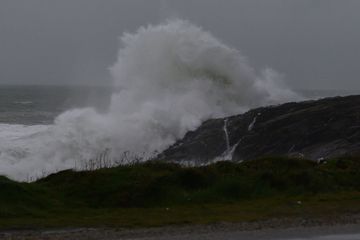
(173, 77)
(227, 155)
(252, 124)
(229, 150)
(226, 135)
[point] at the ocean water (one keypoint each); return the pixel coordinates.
(34, 105)
(38, 105)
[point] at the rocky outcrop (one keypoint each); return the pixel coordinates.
(317, 129)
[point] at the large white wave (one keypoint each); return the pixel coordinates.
(172, 77)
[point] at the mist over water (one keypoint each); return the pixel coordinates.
(172, 77)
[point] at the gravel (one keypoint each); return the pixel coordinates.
(284, 228)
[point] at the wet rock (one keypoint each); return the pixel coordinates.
(317, 129)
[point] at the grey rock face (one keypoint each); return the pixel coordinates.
(317, 129)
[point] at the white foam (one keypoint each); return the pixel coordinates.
(173, 76)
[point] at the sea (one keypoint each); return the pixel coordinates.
(40, 105)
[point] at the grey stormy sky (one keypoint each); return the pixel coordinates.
(314, 43)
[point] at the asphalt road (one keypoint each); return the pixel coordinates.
(349, 232)
(336, 232)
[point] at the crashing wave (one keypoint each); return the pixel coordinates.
(172, 77)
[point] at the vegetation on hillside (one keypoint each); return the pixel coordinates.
(156, 193)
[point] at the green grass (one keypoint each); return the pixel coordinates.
(157, 193)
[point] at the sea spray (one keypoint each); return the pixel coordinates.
(172, 77)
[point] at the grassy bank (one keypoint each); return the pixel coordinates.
(154, 194)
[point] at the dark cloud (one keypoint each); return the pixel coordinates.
(315, 43)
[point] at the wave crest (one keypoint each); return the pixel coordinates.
(172, 77)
